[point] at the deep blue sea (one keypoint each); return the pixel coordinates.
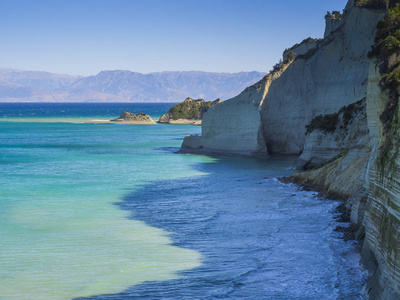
(110, 211)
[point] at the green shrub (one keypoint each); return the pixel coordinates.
(190, 109)
(337, 15)
(349, 111)
(374, 4)
(326, 123)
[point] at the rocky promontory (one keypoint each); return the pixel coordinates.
(130, 118)
(190, 111)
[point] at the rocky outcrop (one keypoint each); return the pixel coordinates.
(190, 111)
(302, 48)
(332, 22)
(130, 118)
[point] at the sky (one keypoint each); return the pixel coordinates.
(84, 37)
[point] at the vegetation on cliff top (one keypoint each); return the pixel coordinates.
(307, 40)
(291, 56)
(337, 15)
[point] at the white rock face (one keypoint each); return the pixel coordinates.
(381, 251)
(351, 133)
(331, 24)
(334, 76)
(373, 186)
(234, 125)
(272, 114)
(302, 48)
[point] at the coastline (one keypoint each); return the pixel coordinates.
(343, 210)
(182, 122)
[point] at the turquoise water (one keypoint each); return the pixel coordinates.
(112, 212)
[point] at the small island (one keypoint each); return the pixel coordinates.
(130, 118)
(190, 111)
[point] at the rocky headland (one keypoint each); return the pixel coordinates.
(190, 111)
(130, 118)
(333, 102)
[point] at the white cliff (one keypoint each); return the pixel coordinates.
(357, 159)
(271, 115)
(348, 131)
(234, 125)
(331, 76)
(372, 185)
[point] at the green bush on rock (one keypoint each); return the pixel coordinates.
(190, 109)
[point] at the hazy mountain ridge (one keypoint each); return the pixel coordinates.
(121, 86)
(37, 79)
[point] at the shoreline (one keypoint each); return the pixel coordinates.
(343, 212)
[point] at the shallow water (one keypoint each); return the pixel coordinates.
(111, 210)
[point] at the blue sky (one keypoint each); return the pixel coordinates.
(83, 37)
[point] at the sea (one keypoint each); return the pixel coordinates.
(112, 211)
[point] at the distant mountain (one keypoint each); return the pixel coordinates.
(37, 80)
(121, 86)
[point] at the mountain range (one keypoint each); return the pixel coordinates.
(121, 86)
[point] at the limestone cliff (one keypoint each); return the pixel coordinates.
(331, 135)
(270, 116)
(339, 109)
(371, 184)
(234, 125)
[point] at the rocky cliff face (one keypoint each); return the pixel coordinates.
(234, 125)
(331, 135)
(273, 113)
(371, 184)
(328, 106)
(332, 75)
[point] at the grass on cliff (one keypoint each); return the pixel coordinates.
(325, 123)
